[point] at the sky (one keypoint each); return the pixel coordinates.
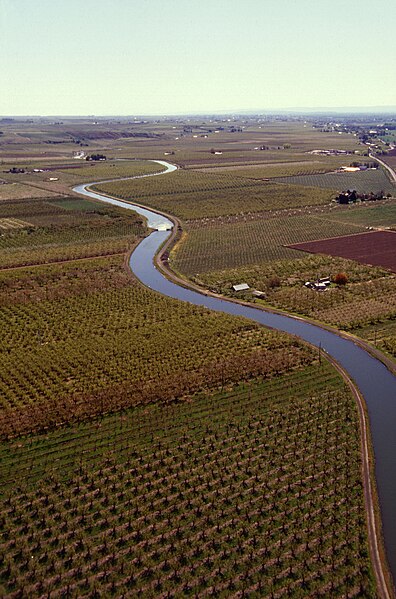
(143, 57)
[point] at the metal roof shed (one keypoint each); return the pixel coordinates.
(241, 287)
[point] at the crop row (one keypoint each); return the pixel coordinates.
(67, 251)
(245, 196)
(382, 335)
(50, 236)
(363, 181)
(31, 456)
(369, 296)
(55, 281)
(265, 493)
(67, 229)
(302, 164)
(252, 242)
(113, 169)
(93, 338)
(64, 208)
(381, 214)
(28, 208)
(180, 181)
(350, 308)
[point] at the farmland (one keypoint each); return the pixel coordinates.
(390, 159)
(367, 299)
(44, 179)
(255, 246)
(216, 256)
(298, 164)
(79, 326)
(363, 181)
(376, 248)
(17, 191)
(381, 335)
(369, 214)
(150, 447)
(175, 499)
(113, 170)
(64, 229)
(216, 247)
(209, 195)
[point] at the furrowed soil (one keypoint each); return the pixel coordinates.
(377, 248)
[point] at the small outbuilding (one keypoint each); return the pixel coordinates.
(325, 280)
(241, 287)
(319, 286)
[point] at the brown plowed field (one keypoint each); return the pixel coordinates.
(377, 248)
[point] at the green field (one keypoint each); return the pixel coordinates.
(100, 342)
(94, 171)
(201, 195)
(369, 214)
(255, 491)
(65, 229)
(363, 181)
(297, 164)
(219, 246)
(152, 448)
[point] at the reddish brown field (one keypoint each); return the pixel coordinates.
(377, 248)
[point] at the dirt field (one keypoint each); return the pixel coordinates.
(377, 248)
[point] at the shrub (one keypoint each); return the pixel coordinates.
(340, 278)
(273, 282)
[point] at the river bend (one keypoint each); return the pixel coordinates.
(375, 382)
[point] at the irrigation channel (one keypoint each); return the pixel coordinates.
(375, 382)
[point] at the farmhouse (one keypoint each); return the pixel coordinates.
(319, 285)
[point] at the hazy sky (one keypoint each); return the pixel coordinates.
(166, 57)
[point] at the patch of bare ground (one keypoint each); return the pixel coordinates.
(377, 248)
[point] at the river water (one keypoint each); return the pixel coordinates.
(376, 383)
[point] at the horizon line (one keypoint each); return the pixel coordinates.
(245, 111)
